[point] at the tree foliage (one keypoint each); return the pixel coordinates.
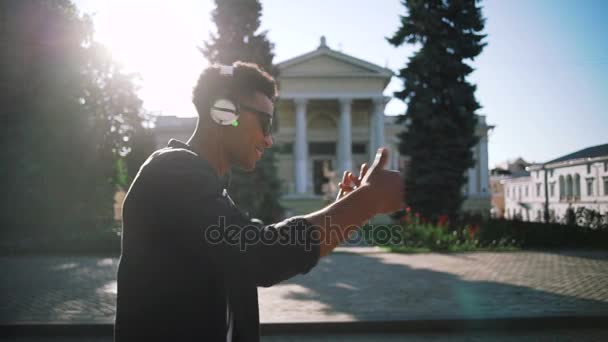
(441, 104)
(68, 114)
(238, 39)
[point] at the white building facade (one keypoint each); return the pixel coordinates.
(579, 179)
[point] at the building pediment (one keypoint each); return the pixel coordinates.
(327, 73)
(325, 62)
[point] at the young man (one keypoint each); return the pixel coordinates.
(191, 261)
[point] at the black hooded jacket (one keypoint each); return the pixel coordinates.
(187, 251)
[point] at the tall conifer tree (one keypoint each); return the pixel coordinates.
(441, 104)
(238, 39)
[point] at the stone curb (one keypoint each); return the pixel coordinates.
(354, 327)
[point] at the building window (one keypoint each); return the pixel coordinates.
(538, 216)
(322, 148)
(519, 192)
(588, 168)
(605, 186)
(577, 186)
(536, 173)
(507, 192)
(551, 172)
(589, 186)
(359, 149)
(562, 188)
(552, 189)
(526, 189)
(538, 185)
(606, 166)
(569, 187)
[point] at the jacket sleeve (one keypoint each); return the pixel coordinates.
(209, 226)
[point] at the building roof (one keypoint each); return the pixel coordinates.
(589, 152)
(520, 174)
(498, 171)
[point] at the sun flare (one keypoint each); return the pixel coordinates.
(158, 40)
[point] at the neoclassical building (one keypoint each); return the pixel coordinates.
(331, 118)
(331, 112)
(578, 179)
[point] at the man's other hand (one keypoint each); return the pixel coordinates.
(385, 187)
(350, 182)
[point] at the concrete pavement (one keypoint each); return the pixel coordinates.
(354, 284)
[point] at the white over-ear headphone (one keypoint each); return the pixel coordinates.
(224, 111)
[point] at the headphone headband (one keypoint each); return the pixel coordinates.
(224, 111)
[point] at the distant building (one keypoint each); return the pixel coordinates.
(331, 118)
(516, 168)
(578, 179)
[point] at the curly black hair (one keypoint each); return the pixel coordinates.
(247, 79)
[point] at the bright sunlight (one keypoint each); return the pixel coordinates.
(158, 40)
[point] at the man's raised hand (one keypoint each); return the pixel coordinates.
(374, 191)
(385, 186)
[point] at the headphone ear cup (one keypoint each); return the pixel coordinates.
(224, 112)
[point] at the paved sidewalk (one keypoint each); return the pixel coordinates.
(356, 283)
(563, 335)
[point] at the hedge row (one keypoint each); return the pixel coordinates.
(543, 235)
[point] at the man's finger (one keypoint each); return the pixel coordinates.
(345, 177)
(381, 158)
(363, 171)
(342, 184)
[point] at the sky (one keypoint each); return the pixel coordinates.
(542, 80)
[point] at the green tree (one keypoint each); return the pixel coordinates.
(68, 112)
(441, 104)
(142, 145)
(121, 126)
(238, 39)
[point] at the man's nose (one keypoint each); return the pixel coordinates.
(268, 141)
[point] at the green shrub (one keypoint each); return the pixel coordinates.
(415, 235)
(543, 235)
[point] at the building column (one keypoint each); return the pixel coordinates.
(376, 126)
(301, 147)
(471, 182)
(345, 158)
(483, 164)
(395, 157)
(472, 176)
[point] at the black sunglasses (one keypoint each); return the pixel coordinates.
(264, 118)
